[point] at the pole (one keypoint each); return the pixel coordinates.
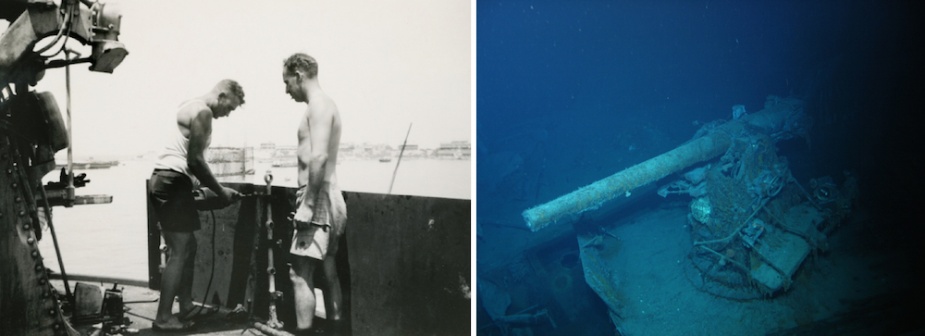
(273, 320)
(69, 196)
(54, 239)
(402, 151)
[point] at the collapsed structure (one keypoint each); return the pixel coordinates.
(752, 224)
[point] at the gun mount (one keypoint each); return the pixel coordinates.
(780, 119)
(752, 223)
(32, 130)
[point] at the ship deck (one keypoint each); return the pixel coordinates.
(141, 307)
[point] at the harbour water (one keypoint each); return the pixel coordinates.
(110, 240)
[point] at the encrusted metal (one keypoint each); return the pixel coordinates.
(28, 307)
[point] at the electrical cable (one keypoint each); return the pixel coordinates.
(205, 296)
(67, 36)
(67, 25)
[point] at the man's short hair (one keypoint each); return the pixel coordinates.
(301, 62)
(231, 86)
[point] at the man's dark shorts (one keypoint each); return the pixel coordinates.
(171, 195)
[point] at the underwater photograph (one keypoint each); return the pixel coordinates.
(699, 168)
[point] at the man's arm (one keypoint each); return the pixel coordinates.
(319, 122)
(200, 129)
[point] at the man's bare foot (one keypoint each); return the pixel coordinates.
(187, 308)
(195, 313)
(172, 324)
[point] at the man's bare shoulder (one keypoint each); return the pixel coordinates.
(322, 105)
(194, 109)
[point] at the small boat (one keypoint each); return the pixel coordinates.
(90, 165)
(385, 159)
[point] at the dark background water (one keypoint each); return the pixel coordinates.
(602, 64)
(569, 92)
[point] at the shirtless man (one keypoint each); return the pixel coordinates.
(178, 166)
(321, 216)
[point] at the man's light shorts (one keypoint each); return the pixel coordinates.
(329, 217)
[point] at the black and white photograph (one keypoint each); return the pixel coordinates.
(236, 167)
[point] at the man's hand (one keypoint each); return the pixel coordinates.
(298, 195)
(303, 216)
(229, 195)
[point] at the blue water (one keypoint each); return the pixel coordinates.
(570, 92)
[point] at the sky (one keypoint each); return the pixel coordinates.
(387, 64)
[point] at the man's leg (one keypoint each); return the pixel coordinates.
(185, 292)
(303, 289)
(179, 245)
(333, 299)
